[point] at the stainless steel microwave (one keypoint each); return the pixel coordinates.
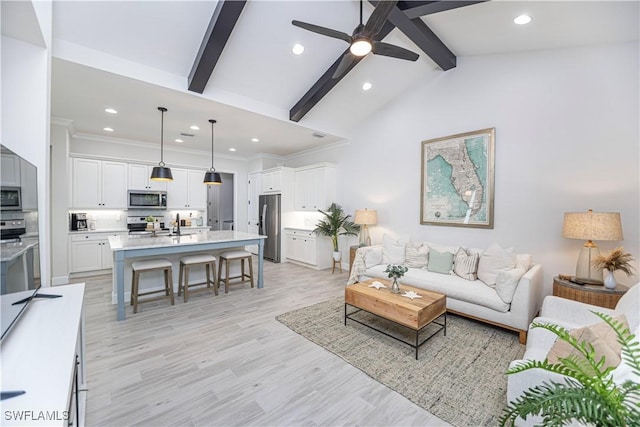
(140, 199)
(10, 198)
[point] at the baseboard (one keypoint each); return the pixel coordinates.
(59, 280)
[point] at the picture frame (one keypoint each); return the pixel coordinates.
(457, 174)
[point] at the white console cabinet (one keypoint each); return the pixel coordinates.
(304, 247)
(43, 355)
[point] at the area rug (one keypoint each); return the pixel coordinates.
(459, 378)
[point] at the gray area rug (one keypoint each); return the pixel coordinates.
(459, 378)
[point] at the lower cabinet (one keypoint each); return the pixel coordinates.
(304, 247)
(90, 252)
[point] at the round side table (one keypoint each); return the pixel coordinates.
(590, 294)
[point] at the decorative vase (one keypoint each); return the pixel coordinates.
(609, 280)
(337, 256)
(395, 287)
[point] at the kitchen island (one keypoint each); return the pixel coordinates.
(129, 249)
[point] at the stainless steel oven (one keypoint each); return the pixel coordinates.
(140, 199)
(10, 198)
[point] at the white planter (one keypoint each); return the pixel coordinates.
(337, 256)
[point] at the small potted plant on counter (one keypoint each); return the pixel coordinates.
(395, 272)
(335, 223)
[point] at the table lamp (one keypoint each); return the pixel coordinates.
(590, 226)
(365, 217)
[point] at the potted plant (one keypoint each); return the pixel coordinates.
(395, 272)
(335, 223)
(614, 260)
(588, 394)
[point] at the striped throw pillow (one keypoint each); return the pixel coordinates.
(416, 257)
(466, 265)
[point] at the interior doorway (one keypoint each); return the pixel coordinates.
(221, 204)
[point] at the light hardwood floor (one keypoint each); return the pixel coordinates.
(225, 360)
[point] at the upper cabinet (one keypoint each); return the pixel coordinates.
(139, 179)
(10, 170)
(187, 190)
(276, 180)
(99, 184)
(314, 187)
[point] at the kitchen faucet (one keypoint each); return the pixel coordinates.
(178, 224)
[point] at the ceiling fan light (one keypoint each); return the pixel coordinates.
(360, 47)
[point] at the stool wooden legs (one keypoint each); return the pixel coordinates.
(210, 270)
(243, 276)
(135, 285)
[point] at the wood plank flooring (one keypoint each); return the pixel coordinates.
(225, 360)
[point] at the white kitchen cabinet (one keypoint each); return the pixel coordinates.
(98, 184)
(304, 247)
(10, 170)
(255, 186)
(275, 180)
(187, 191)
(29, 186)
(314, 187)
(140, 179)
(90, 251)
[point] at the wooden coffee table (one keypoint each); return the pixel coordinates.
(414, 314)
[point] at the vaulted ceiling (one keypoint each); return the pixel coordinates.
(137, 55)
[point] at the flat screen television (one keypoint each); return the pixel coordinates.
(19, 241)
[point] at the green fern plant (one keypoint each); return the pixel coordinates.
(588, 394)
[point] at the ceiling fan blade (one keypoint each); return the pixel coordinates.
(386, 49)
(322, 30)
(379, 17)
(347, 60)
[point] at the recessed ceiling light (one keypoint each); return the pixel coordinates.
(366, 86)
(179, 140)
(232, 149)
(255, 140)
(194, 127)
(297, 49)
(110, 111)
(522, 19)
(108, 129)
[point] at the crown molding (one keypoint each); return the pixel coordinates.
(315, 150)
(67, 123)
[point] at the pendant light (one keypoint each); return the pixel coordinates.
(161, 172)
(211, 177)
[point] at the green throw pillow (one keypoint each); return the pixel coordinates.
(440, 262)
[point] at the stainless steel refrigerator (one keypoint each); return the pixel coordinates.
(269, 225)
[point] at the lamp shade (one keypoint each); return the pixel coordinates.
(592, 225)
(366, 217)
(212, 178)
(161, 173)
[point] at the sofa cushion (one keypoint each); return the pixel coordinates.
(600, 335)
(507, 282)
(393, 251)
(372, 256)
(492, 260)
(465, 265)
(440, 262)
(441, 248)
(473, 292)
(416, 257)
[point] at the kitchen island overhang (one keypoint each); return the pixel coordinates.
(125, 249)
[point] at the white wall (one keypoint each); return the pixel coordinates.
(567, 139)
(25, 78)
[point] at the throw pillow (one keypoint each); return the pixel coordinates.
(392, 250)
(416, 257)
(441, 248)
(492, 261)
(466, 265)
(600, 335)
(372, 256)
(440, 262)
(507, 282)
(524, 261)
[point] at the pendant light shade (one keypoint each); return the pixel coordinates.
(211, 177)
(161, 172)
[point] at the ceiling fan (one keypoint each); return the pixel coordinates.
(362, 41)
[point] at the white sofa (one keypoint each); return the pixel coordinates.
(470, 298)
(570, 315)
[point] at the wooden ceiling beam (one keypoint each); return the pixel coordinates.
(220, 27)
(325, 83)
(416, 9)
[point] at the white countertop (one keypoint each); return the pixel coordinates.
(11, 251)
(101, 230)
(123, 243)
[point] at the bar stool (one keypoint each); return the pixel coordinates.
(229, 256)
(188, 262)
(146, 266)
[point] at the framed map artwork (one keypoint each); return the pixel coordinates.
(457, 180)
